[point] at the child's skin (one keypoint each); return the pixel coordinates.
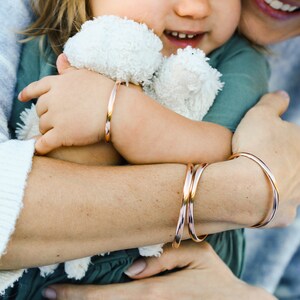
(209, 24)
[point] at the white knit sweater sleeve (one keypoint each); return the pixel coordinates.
(15, 156)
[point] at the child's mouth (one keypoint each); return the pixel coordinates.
(184, 39)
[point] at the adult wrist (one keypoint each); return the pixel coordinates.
(242, 203)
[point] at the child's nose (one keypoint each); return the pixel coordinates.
(196, 9)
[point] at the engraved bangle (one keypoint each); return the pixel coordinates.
(198, 171)
(110, 108)
(275, 201)
(185, 198)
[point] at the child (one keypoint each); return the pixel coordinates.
(208, 25)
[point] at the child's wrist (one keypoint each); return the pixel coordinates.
(124, 124)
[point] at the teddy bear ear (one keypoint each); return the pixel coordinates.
(118, 48)
(187, 84)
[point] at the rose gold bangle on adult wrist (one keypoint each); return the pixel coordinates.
(275, 200)
(198, 171)
(185, 199)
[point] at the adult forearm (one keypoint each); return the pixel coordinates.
(74, 211)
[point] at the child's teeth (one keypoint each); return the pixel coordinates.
(180, 35)
(278, 5)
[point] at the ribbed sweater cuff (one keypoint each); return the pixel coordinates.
(8, 278)
(15, 164)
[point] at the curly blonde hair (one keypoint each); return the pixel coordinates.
(58, 20)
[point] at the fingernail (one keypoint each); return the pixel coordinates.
(49, 293)
(136, 268)
(284, 94)
(20, 95)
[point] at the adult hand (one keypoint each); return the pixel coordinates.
(203, 276)
(263, 133)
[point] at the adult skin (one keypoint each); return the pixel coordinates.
(205, 273)
(198, 272)
(97, 189)
(65, 184)
(264, 25)
(261, 27)
(40, 163)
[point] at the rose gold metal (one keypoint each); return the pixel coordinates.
(198, 170)
(272, 212)
(185, 199)
(110, 108)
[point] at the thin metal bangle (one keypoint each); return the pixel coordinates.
(110, 108)
(185, 199)
(198, 171)
(275, 203)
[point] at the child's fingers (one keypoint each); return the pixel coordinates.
(63, 65)
(48, 142)
(41, 106)
(44, 125)
(34, 90)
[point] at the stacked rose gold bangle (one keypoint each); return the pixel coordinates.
(192, 178)
(185, 199)
(198, 171)
(275, 201)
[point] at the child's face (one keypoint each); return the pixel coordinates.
(204, 24)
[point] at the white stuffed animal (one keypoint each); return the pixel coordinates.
(130, 52)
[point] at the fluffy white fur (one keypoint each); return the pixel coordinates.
(119, 48)
(128, 51)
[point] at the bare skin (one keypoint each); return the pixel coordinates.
(220, 203)
(262, 29)
(200, 267)
(137, 144)
(264, 25)
(288, 192)
(91, 155)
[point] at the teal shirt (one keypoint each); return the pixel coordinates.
(245, 73)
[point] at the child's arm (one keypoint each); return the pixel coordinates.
(245, 73)
(93, 155)
(100, 192)
(159, 134)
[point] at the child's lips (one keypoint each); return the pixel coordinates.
(184, 39)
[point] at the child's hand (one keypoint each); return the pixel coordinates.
(72, 108)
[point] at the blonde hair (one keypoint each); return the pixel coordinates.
(58, 20)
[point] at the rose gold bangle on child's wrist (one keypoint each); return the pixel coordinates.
(275, 200)
(110, 108)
